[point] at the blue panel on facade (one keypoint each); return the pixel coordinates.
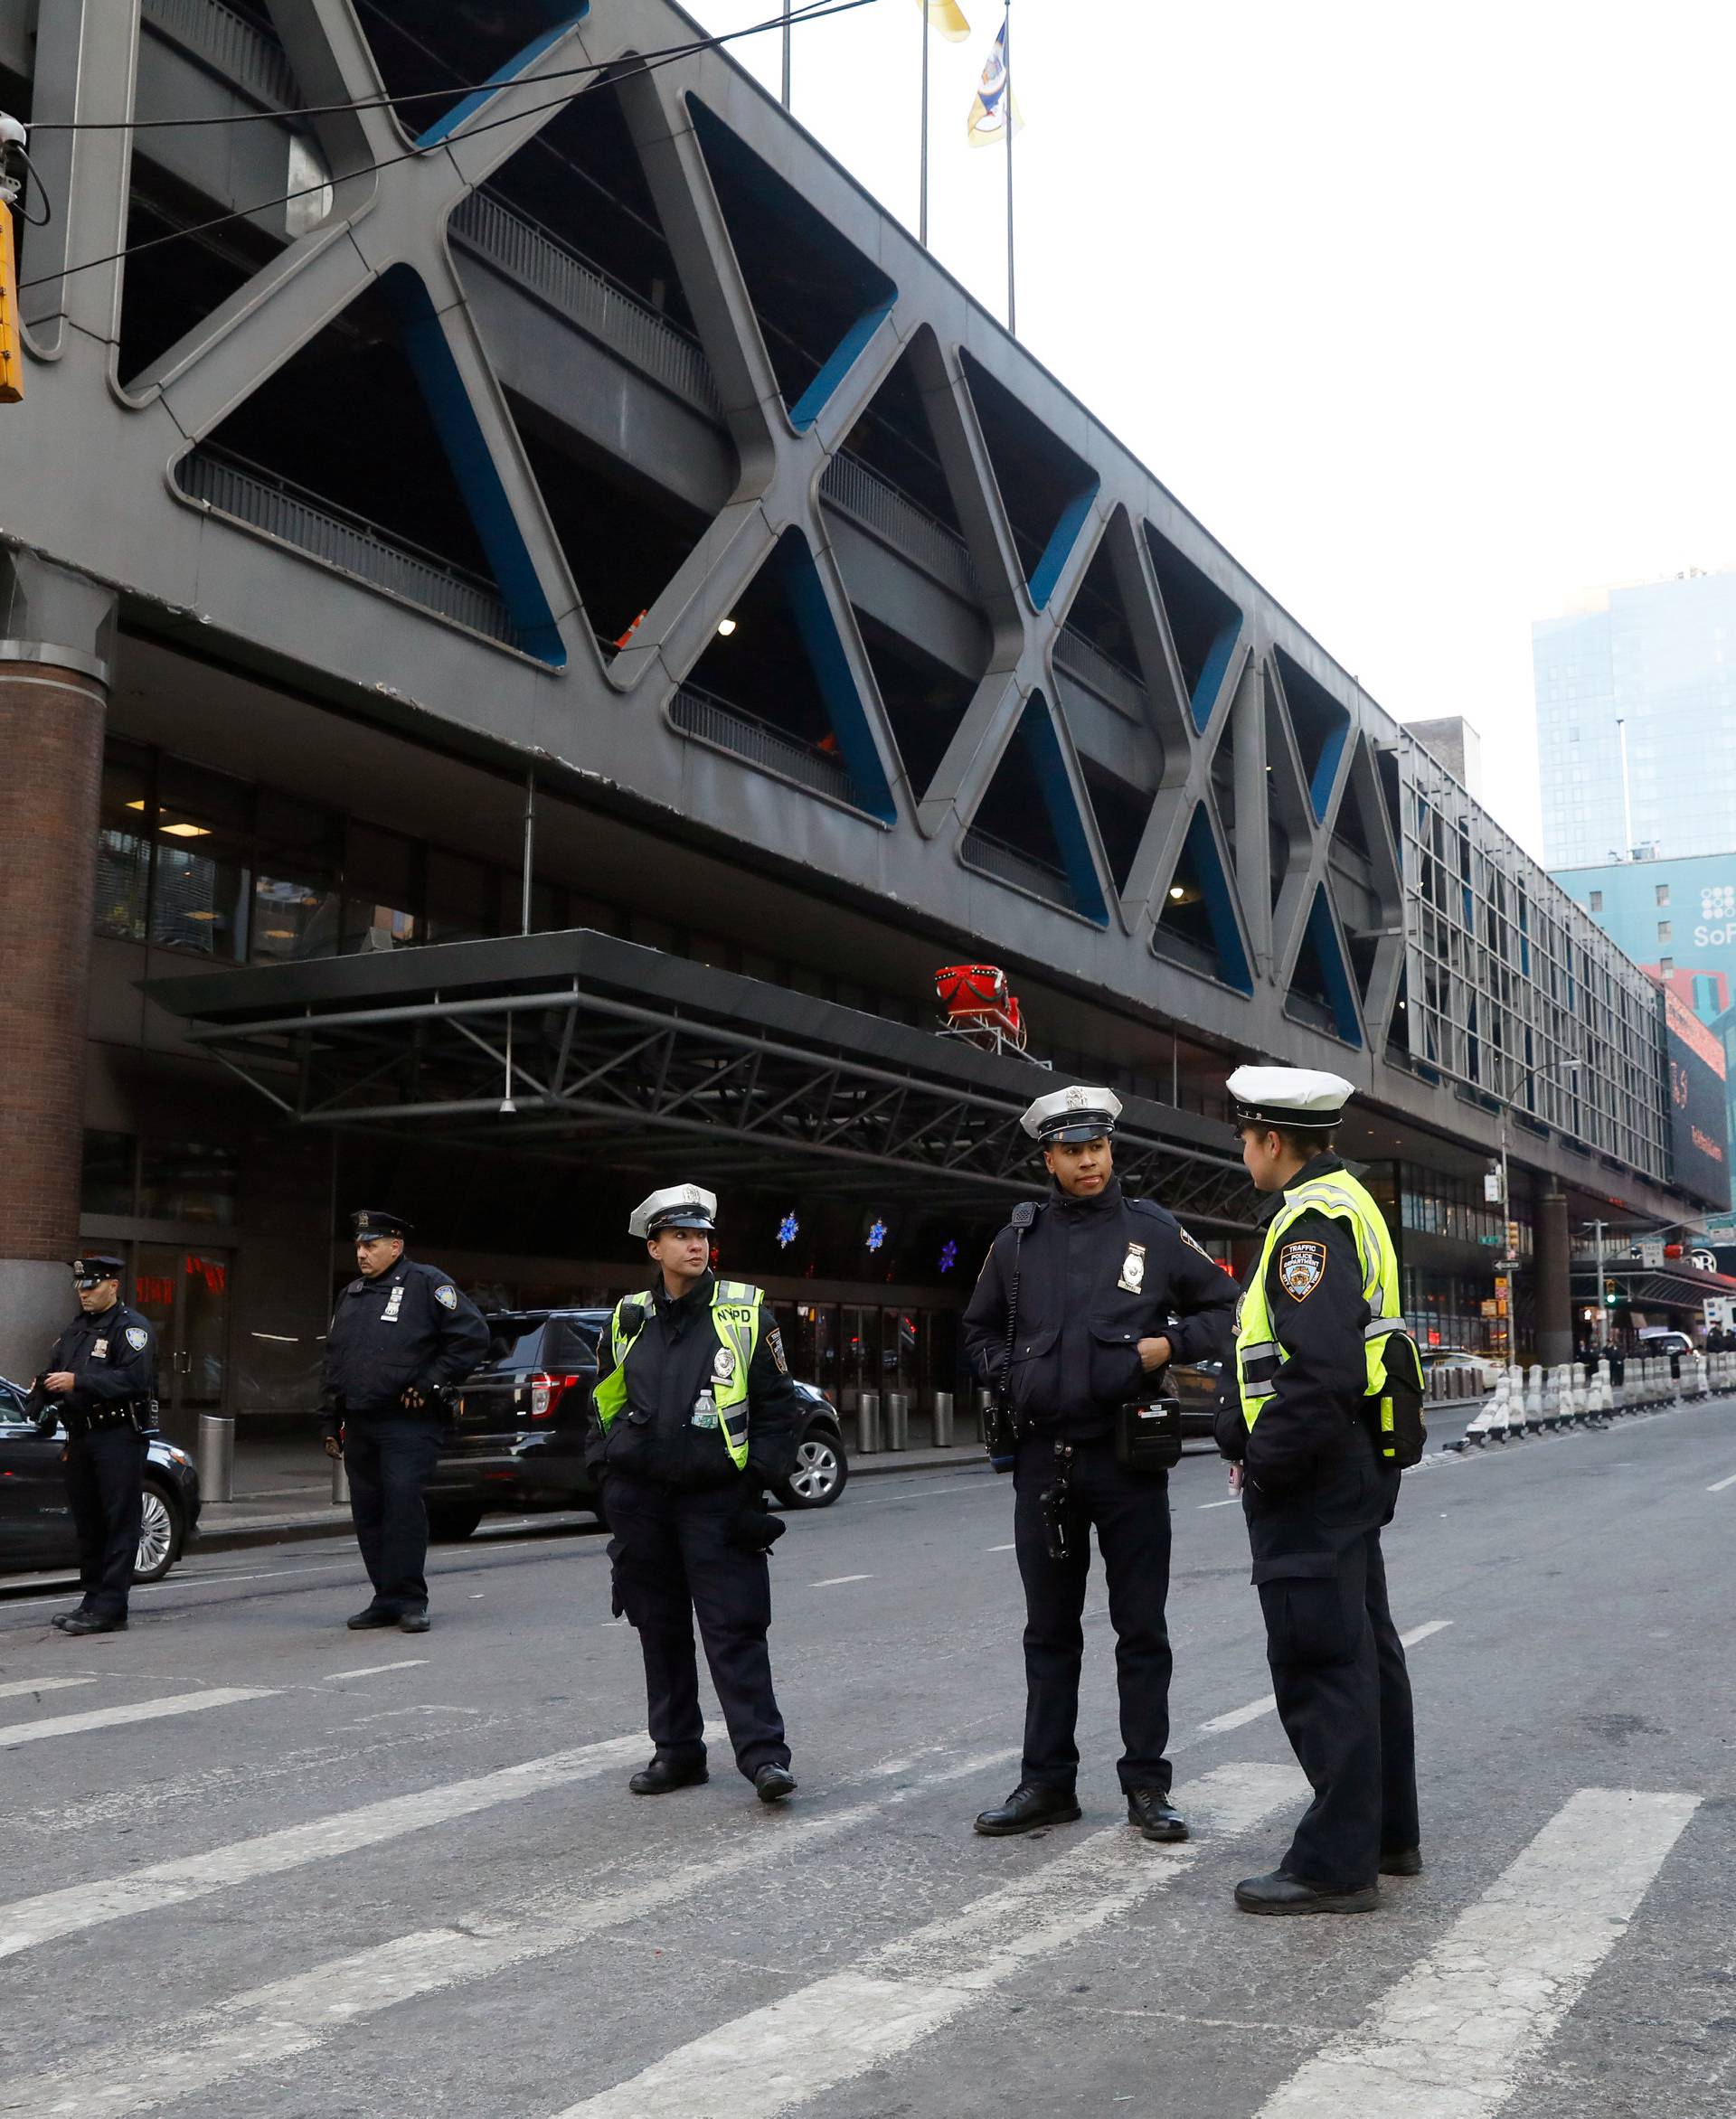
(443, 128)
(1073, 519)
(1338, 989)
(1037, 733)
(812, 615)
(815, 398)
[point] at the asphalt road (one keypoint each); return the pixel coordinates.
(257, 1865)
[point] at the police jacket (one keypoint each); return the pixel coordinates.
(113, 1354)
(408, 1326)
(1096, 1275)
(1314, 1415)
(664, 1433)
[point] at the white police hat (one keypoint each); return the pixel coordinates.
(1072, 1115)
(676, 1206)
(1299, 1098)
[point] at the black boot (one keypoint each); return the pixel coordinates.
(664, 1773)
(1028, 1806)
(1157, 1818)
(1401, 1861)
(1283, 1893)
(372, 1616)
(771, 1783)
(93, 1622)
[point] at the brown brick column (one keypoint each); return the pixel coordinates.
(50, 770)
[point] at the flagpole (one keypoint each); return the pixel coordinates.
(786, 55)
(1012, 251)
(923, 217)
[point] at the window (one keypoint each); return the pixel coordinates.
(1667, 964)
(188, 1181)
(295, 902)
(123, 844)
(463, 897)
(108, 1184)
(1663, 930)
(381, 890)
(1663, 893)
(201, 885)
(1597, 900)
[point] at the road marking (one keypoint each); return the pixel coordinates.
(27, 1921)
(1721, 1483)
(1234, 1502)
(18, 1685)
(1000, 1548)
(1422, 1631)
(272, 2024)
(837, 1581)
(103, 1718)
(375, 1669)
(1449, 2040)
(1239, 1716)
(836, 2030)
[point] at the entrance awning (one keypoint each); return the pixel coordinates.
(1673, 1286)
(567, 1045)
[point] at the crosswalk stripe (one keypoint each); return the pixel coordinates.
(14, 1688)
(107, 1717)
(1238, 1716)
(29, 1922)
(1449, 2040)
(837, 2028)
(271, 2024)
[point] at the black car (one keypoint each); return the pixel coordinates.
(1198, 1385)
(36, 1524)
(516, 1439)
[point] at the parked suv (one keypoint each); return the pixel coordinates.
(516, 1439)
(36, 1532)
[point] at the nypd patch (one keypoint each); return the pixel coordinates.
(775, 1341)
(1192, 1245)
(447, 1296)
(137, 1338)
(1301, 1267)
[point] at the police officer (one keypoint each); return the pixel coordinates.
(1321, 1345)
(102, 1381)
(1109, 1290)
(401, 1333)
(696, 1415)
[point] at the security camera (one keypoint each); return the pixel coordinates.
(12, 133)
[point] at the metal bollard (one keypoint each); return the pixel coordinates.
(898, 1419)
(340, 1483)
(985, 1401)
(943, 1419)
(868, 1423)
(216, 1457)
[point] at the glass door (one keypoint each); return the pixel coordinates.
(185, 1295)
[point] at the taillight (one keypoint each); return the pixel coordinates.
(544, 1391)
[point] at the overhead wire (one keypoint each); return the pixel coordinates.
(814, 11)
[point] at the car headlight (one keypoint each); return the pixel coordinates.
(178, 1456)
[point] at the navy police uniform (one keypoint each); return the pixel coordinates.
(1315, 1496)
(396, 1339)
(690, 1531)
(109, 1416)
(1097, 1275)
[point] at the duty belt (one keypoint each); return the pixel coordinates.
(133, 1413)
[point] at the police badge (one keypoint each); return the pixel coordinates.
(1301, 1267)
(723, 1364)
(1133, 1270)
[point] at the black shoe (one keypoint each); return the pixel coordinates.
(92, 1621)
(374, 1617)
(1158, 1819)
(1028, 1806)
(1402, 1862)
(415, 1622)
(1283, 1893)
(664, 1773)
(77, 1612)
(773, 1784)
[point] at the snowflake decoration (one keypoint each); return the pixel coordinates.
(788, 1229)
(948, 1255)
(876, 1236)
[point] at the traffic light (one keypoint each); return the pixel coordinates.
(11, 349)
(1512, 1240)
(1609, 1294)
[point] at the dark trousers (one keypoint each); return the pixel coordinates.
(105, 1490)
(390, 1460)
(674, 1559)
(1338, 1668)
(1130, 1511)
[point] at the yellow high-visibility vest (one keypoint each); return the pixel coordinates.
(735, 1318)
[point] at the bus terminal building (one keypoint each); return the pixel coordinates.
(522, 657)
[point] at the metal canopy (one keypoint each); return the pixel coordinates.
(1676, 1284)
(595, 1042)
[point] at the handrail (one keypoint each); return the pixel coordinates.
(890, 514)
(230, 45)
(701, 713)
(1080, 656)
(1011, 864)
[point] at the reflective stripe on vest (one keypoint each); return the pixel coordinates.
(735, 1319)
(1260, 1358)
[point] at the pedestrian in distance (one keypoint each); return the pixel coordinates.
(1084, 1300)
(100, 1384)
(694, 1416)
(401, 1335)
(1325, 1412)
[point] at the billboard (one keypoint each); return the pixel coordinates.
(1699, 1123)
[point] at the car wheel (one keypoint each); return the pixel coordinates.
(450, 1522)
(820, 1472)
(160, 1535)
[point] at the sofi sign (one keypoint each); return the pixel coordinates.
(1717, 928)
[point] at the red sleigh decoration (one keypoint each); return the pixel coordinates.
(979, 1007)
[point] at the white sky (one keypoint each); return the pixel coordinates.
(1425, 313)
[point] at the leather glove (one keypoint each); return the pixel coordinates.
(333, 1446)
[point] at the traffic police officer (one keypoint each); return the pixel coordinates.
(696, 1415)
(1108, 1290)
(1321, 1352)
(101, 1382)
(401, 1333)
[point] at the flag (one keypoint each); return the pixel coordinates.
(948, 17)
(988, 113)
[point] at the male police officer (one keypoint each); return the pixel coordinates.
(101, 1378)
(1319, 1342)
(401, 1333)
(695, 1415)
(1109, 1290)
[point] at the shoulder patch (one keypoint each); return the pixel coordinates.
(137, 1338)
(775, 1341)
(1301, 1267)
(1193, 1246)
(446, 1295)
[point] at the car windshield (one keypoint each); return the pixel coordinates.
(525, 1342)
